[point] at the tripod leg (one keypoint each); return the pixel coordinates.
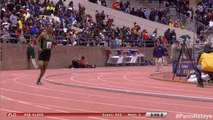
(190, 58)
(199, 76)
(177, 63)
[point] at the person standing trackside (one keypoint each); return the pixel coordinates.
(158, 55)
(44, 45)
(165, 55)
(31, 54)
(175, 52)
(204, 64)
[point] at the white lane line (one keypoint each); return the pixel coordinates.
(165, 86)
(92, 102)
(99, 77)
(46, 106)
(9, 80)
(24, 102)
(87, 83)
(147, 86)
(56, 118)
(39, 106)
(97, 84)
(117, 98)
(68, 108)
(42, 106)
(150, 86)
(7, 110)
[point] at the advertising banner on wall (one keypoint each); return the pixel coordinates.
(185, 66)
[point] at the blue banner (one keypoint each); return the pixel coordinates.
(185, 66)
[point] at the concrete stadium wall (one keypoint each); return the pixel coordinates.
(14, 56)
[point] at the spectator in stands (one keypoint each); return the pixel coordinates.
(145, 35)
(14, 38)
(154, 34)
(94, 1)
(31, 54)
(175, 52)
(97, 17)
(171, 24)
(116, 5)
(103, 2)
(13, 19)
(176, 24)
(144, 15)
(115, 41)
(167, 35)
(70, 3)
(167, 4)
(109, 21)
(211, 23)
(152, 15)
(172, 36)
(164, 40)
(160, 2)
(71, 35)
(135, 30)
(158, 55)
(133, 11)
(198, 31)
(81, 9)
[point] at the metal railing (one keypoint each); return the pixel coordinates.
(198, 24)
(6, 37)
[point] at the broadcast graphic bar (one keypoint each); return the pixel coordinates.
(147, 114)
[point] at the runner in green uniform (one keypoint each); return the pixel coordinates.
(44, 45)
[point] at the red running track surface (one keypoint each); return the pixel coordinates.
(19, 93)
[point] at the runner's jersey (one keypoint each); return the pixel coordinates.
(47, 42)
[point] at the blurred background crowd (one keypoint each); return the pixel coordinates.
(24, 20)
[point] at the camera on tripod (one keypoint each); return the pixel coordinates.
(185, 37)
(185, 62)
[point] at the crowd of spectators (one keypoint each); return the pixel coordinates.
(158, 14)
(203, 17)
(24, 20)
(135, 33)
(204, 11)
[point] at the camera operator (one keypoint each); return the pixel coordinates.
(175, 52)
(204, 64)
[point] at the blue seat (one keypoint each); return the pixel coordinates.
(119, 52)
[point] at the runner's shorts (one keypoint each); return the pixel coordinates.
(44, 55)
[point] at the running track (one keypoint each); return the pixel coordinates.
(102, 90)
